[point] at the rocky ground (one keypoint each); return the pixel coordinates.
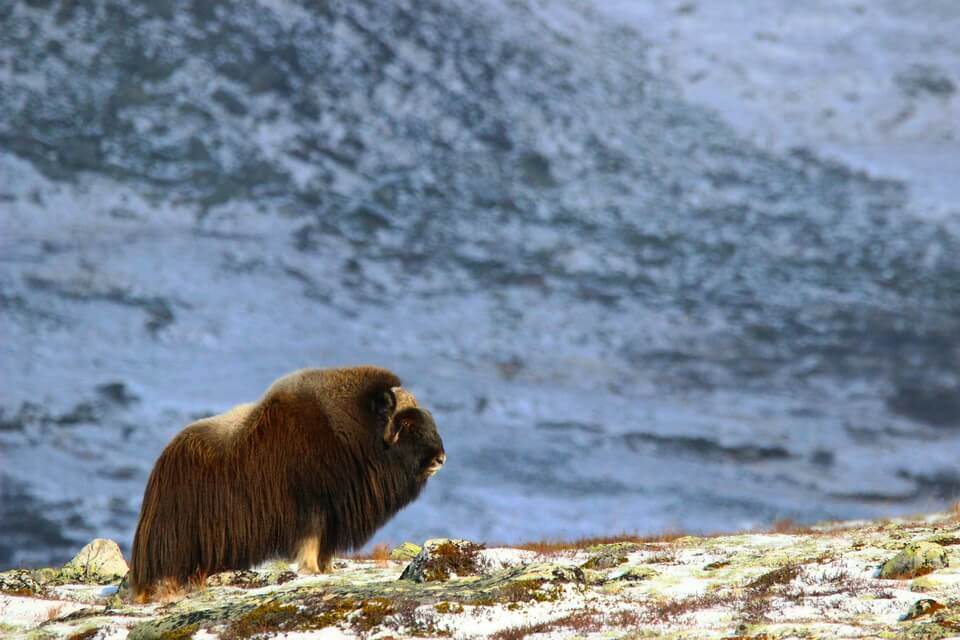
(895, 579)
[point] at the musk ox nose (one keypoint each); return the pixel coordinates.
(437, 462)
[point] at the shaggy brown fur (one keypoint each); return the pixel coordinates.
(322, 461)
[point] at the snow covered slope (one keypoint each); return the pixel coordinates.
(615, 300)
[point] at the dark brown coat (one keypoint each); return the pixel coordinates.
(321, 462)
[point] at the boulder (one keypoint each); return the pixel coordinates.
(20, 582)
(634, 573)
(100, 562)
(916, 559)
(405, 552)
(921, 608)
(441, 559)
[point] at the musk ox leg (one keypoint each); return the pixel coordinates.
(308, 554)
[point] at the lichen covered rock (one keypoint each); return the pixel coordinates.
(609, 556)
(916, 559)
(441, 558)
(921, 608)
(99, 562)
(405, 552)
(20, 582)
(551, 572)
(246, 579)
(634, 573)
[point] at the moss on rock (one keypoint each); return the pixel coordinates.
(441, 559)
(99, 562)
(405, 552)
(916, 559)
(21, 582)
(635, 573)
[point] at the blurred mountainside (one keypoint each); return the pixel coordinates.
(502, 197)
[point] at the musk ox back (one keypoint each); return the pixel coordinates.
(322, 461)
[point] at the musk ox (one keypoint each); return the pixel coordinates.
(321, 462)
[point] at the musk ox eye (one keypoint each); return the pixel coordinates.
(383, 404)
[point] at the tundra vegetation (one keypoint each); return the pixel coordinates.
(893, 579)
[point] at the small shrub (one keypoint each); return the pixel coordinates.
(180, 633)
(788, 526)
(529, 591)
(449, 558)
(266, 618)
(405, 617)
(666, 611)
(381, 554)
(372, 614)
(54, 612)
(547, 547)
(664, 555)
(582, 622)
(448, 607)
(781, 575)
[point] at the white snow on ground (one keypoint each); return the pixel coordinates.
(874, 83)
(29, 612)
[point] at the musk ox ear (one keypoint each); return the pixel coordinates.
(383, 404)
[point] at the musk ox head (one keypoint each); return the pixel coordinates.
(315, 467)
(411, 430)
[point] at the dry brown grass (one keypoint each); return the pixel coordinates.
(756, 600)
(166, 591)
(404, 616)
(667, 611)
(556, 546)
(54, 612)
(379, 553)
(264, 619)
(582, 622)
(789, 526)
(629, 619)
(449, 559)
(781, 575)
(793, 583)
(840, 581)
(663, 555)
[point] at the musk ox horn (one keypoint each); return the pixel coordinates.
(402, 400)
